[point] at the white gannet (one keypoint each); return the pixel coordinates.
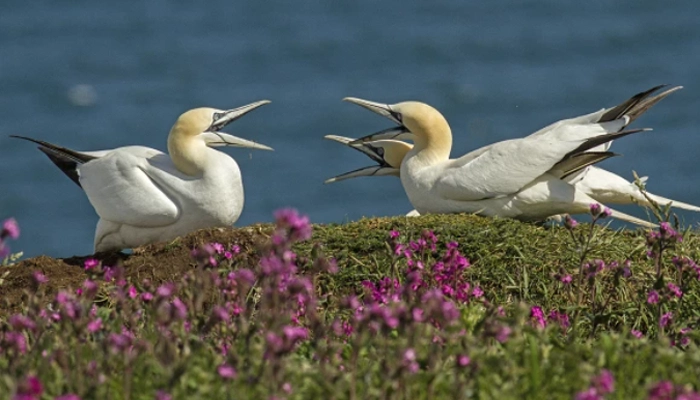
(143, 195)
(602, 185)
(519, 178)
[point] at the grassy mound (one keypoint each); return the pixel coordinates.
(535, 312)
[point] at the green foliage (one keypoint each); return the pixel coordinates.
(496, 349)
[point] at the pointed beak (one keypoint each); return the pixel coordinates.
(217, 139)
(228, 116)
(398, 133)
(214, 138)
(384, 110)
(376, 153)
(374, 170)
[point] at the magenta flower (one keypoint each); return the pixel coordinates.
(180, 309)
(69, 396)
(569, 222)
(21, 322)
(90, 288)
(29, 389)
(16, 341)
(90, 263)
(636, 333)
(394, 234)
(653, 297)
(667, 232)
(463, 360)
(298, 226)
(10, 228)
(559, 317)
(589, 394)
(226, 371)
(146, 297)
(537, 315)
(595, 209)
(503, 333)
(605, 382)
(295, 333)
(409, 361)
(663, 390)
(675, 290)
(40, 278)
(94, 325)
(566, 279)
(477, 292)
(162, 395)
(165, 290)
(287, 387)
(665, 319)
(218, 247)
(220, 314)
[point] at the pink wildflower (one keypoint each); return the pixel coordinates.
(94, 325)
(653, 297)
(40, 278)
(90, 263)
(665, 319)
(537, 315)
(226, 371)
(10, 228)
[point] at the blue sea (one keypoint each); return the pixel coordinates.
(93, 75)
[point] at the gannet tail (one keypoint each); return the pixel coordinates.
(637, 104)
(602, 139)
(65, 159)
(633, 220)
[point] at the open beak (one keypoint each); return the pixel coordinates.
(214, 138)
(373, 170)
(374, 152)
(398, 133)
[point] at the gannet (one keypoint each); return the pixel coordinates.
(602, 185)
(143, 195)
(519, 178)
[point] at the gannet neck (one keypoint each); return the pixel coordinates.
(188, 154)
(432, 133)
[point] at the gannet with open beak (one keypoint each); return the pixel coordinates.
(519, 178)
(143, 195)
(602, 185)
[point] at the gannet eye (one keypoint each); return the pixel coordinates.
(380, 151)
(217, 116)
(396, 116)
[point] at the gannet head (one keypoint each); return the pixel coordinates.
(202, 127)
(207, 123)
(388, 154)
(417, 121)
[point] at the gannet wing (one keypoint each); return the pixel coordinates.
(507, 167)
(120, 189)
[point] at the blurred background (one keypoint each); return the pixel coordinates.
(92, 75)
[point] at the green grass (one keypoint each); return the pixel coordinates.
(517, 265)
